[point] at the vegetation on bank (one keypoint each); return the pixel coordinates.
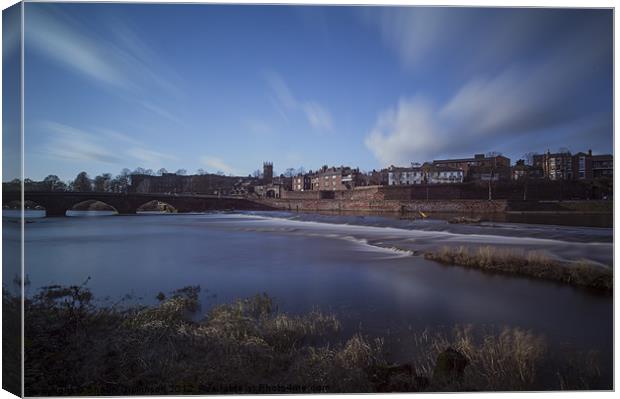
(527, 263)
(73, 347)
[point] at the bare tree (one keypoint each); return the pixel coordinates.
(103, 182)
(528, 157)
(52, 183)
(564, 150)
(82, 183)
(161, 171)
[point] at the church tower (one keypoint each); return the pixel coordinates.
(267, 172)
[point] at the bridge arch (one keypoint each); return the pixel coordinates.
(91, 207)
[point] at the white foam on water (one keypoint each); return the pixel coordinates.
(72, 213)
(599, 252)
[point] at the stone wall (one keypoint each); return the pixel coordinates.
(374, 205)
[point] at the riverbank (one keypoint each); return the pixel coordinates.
(530, 264)
(457, 206)
(247, 346)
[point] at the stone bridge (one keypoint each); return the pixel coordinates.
(56, 203)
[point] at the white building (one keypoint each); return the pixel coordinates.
(445, 175)
(431, 174)
(405, 176)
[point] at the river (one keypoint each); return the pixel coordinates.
(366, 269)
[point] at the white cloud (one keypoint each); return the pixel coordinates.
(70, 143)
(411, 32)
(160, 111)
(518, 103)
(118, 59)
(56, 38)
(317, 115)
(216, 164)
(283, 94)
(118, 136)
(405, 133)
(149, 157)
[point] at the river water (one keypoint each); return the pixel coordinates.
(366, 269)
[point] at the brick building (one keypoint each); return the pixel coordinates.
(302, 182)
(579, 166)
(480, 167)
(335, 179)
(603, 166)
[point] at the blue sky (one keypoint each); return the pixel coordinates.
(225, 88)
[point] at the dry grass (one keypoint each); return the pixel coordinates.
(527, 263)
(506, 360)
(73, 347)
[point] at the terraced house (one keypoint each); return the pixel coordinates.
(427, 173)
(579, 166)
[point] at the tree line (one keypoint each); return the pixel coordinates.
(104, 182)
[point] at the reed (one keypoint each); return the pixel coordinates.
(74, 347)
(535, 264)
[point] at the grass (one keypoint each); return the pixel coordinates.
(527, 263)
(73, 347)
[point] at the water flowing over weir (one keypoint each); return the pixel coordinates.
(564, 243)
(363, 269)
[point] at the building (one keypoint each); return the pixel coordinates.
(378, 177)
(425, 174)
(603, 166)
(521, 171)
(336, 178)
(556, 166)
(443, 175)
(315, 182)
(579, 166)
(582, 166)
(480, 167)
(268, 191)
(302, 182)
(267, 172)
(401, 176)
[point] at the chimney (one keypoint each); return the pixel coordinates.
(590, 153)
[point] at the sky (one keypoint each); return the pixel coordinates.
(225, 87)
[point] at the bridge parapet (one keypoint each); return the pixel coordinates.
(57, 203)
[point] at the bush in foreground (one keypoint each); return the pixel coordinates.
(73, 347)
